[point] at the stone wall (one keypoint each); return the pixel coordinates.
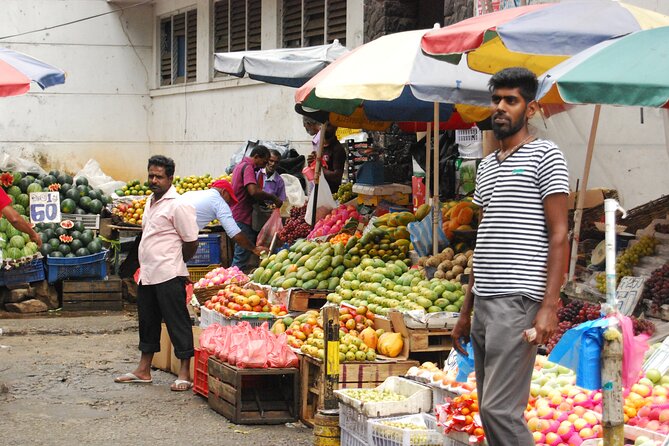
(457, 10)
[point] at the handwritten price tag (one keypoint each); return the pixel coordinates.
(628, 293)
(44, 207)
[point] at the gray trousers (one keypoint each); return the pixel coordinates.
(503, 363)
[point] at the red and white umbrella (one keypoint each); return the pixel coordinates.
(18, 70)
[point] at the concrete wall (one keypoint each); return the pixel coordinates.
(101, 111)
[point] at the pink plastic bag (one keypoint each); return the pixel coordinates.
(253, 355)
(634, 348)
(210, 336)
(273, 226)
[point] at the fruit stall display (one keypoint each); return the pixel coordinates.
(234, 299)
(129, 210)
(295, 227)
(218, 277)
(449, 264)
(16, 246)
(627, 259)
(656, 288)
(182, 185)
(459, 216)
(335, 221)
(67, 239)
(344, 193)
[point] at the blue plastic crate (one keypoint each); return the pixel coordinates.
(208, 250)
(32, 271)
(92, 266)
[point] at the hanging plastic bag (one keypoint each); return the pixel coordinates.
(325, 202)
(421, 235)
(273, 226)
(634, 348)
(465, 363)
(580, 349)
(97, 178)
(294, 194)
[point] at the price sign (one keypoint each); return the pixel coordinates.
(628, 293)
(452, 361)
(44, 207)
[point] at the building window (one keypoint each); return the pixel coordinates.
(237, 25)
(178, 48)
(313, 22)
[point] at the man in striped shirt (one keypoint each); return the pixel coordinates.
(519, 260)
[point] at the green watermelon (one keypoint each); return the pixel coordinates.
(26, 237)
(17, 241)
(14, 253)
(86, 236)
(56, 254)
(44, 236)
(12, 231)
(95, 206)
(76, 244)
(4, 224)
(54, 173)
(24, 183)
(54, 243)
(64, 188)
(20, 209)
(79, 211)
(18, 176)
(70, 255)
(64, 179)
(68, 206)
(14, 191)
(3, 241)
(34, 187)
(49, 233)
(23, 200)
(85, 202)
(83, 190)
(30, 178)
(60, 231)
(95, 194)
(73, 195)
(78, 226)
(82, 181)
(46, 249)
(106, 199)
(95, 246)
(48, 180)
(75, 234)
(64, 249)
(82, 252)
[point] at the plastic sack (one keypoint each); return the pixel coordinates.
(634, 348)
(421, 235)
(294, 193)
(580, 349)
(465, 363)
(97, 178)
(273, 226)
(17, 164)
(252, 355)
(279, 355)
(325, 202)
(210, 336)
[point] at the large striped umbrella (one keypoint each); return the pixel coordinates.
(537, 37)
(17, 70)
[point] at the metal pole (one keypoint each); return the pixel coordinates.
(612, 352)
(331, 360)
(578, 212)
(317, 172)
(435, 201)
(428, 162)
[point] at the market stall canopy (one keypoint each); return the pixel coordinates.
(17, 70)
(630, 70)
(377, 78)
(290, 67)
(537, 37)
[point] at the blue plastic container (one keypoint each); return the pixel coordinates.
(32, 271)
(208, 251)
(93, 266)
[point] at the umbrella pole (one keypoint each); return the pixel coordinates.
(435, 201)
(580, 198)
(317, 173)
(428, 162)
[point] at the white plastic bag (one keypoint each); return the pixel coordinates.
(295, 196)
(16, 164)
(97, 178)
(325, 201)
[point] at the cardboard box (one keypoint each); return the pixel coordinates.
(161, 360)
(175, 363)
(593, 197)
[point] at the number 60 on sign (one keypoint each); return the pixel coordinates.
(44, 207)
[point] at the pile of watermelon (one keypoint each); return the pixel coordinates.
(16, 246)
(76, 197)
(67, 239)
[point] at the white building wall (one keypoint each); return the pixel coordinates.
(102, 110)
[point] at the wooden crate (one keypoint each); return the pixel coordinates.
(351, 375)
(430, 340)
(93, 295)
(253, 396)
(303, 300)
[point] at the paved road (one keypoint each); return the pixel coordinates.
(59, 391)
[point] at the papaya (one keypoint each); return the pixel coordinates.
(257, 274)
(339, 249)
(325, 274)
(309, 275)
(338, 271)
(390, 344)
(266, 276)
(351, 243)
(322, 264)
(332, 283)
(322, 285)
(281, 256)
(291, 275)
(288, 283)
(368, 336)
(337, 260)
(422, 211)
(310, 285)
(311, 263)
(264, 262)
(301, 271)
(302, 260)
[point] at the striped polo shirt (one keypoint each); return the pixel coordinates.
(512, 241)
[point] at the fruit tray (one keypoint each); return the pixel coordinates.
(92, 266)
(350, 439)
(32, 271)
(208, 250)
(380, 434)
(418, 399)
(353, 421)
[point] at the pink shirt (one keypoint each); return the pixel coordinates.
(243, 175)
(166, 225)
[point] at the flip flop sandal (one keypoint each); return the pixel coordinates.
(181, 385)
(131, 378)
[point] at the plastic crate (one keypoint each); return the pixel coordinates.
(350, 439)
(353, 421)
(418, 399)
(208, 250)
(380, 434)
(32, 271)
(90, 221)
(196, 273)
(92, 266)
(201, 373)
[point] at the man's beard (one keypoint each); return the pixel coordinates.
(501, 131)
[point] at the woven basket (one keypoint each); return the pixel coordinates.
(205, 294)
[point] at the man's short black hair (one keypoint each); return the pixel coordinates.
(163, 161)
(274, 152)
(261, 151)
(516, 77)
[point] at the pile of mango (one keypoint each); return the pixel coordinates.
(459, 216)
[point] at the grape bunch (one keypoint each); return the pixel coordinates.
(344, 193)
(576, 312)
(628, 259)
(643, 326)
(557, 335)
(662, 228)
(656, 287)
(296, 227)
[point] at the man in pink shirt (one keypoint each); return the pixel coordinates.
(169, 239)
(248, 191)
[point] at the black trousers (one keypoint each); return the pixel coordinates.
(165, 301)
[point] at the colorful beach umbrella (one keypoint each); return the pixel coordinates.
(537, 37)
(17, 70)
